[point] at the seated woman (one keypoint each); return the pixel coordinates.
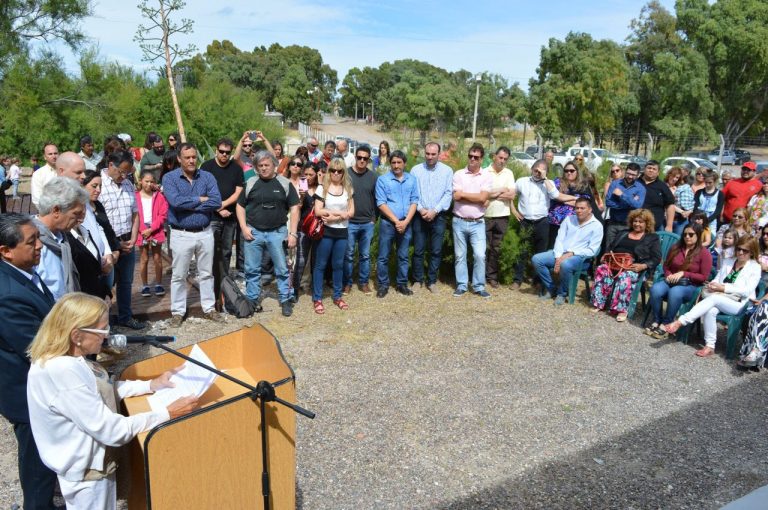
(734, 285)
(687, 267)
(755, 346)
(643, 244)
(73, 402)
(738, 224)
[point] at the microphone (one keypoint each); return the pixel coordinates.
(121, 341)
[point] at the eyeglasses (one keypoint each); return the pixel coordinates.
(336, 171)
(474, 157)
(689, 234)
(102, 332)
(225, 152)
(363, 158)
(296, 163)
(742, 250)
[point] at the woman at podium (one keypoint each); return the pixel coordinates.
(73, 402)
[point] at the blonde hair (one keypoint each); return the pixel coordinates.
(646, 216)
(73, 311)
(337, 164)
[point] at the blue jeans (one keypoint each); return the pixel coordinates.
(333, 249)
(676, 296)
(679, 226)
(362, 235)
(388, 235)
(472, 233)
(544, 261)
(427, 233)
(272, 242)
(124, 280)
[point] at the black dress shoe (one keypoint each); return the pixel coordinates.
(133, 324)
(405, 291)
(382, 292)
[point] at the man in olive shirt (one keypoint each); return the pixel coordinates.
(361, 224)
(261, 212)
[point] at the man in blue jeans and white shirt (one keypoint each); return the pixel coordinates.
(361, 224)
(435, 187)
(396, 197)
(579, 238)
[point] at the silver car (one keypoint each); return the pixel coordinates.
(729, 157)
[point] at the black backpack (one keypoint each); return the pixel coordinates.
(235, 302)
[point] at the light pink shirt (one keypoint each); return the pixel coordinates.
(465, 181)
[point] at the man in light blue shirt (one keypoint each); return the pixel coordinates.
(61, 207)
(397, 196)
(579, 238)
(435, 189)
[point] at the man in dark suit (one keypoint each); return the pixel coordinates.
(25, 302)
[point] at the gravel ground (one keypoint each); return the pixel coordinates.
(439, 402)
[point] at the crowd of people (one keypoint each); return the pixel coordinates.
(276, 214)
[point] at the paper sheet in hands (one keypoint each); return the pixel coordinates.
(190, 380)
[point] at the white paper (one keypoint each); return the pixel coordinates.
(190, 380)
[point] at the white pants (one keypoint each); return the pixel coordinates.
(709, 308)
(185, 245)
(91, 495)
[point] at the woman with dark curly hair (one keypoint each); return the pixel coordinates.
(612, 292)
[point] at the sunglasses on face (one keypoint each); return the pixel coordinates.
(247, 145)
(742, 250)
(474, 157)
(689, 234)
(225, 152)
(296, 163)
(336, 171)
(363, 158)
(569, 171)
(579, 159)
(313, 145)
(617, 171)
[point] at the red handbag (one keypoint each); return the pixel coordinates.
(313, 226)
(617, 262)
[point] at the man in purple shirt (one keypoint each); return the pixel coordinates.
(471, 189)
(193, 196)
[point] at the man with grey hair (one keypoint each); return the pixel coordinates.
(61, 208)
(342, 149)
(314, 154)
(193, 197)
(261, 212)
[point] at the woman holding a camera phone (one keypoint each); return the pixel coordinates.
(687, 267)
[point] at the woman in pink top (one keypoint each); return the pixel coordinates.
(153, 210)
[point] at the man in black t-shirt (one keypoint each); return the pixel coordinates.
(658, 197)
(261, 212)
(229, 178)
(361, 224)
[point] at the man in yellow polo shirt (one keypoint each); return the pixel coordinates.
(497, 212)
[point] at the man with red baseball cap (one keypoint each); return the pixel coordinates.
(738, 191)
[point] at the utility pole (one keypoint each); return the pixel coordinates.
(478, 79)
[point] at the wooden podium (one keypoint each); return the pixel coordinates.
(211, 458)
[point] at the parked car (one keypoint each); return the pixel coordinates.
(742, 156)
(728, 157)
(624, 159)
(523, 158)
(696, 154)
(683, 161)
(762, 169)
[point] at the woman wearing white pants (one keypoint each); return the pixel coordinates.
(734, 285)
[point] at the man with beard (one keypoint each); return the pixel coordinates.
(153, 160)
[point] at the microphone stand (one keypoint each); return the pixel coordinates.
(264, 391)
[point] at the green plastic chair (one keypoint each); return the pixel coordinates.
(574, 283)
(732, 322)
(666, 240)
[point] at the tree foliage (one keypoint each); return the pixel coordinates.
(581, 85)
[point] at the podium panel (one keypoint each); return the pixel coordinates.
(211, 458)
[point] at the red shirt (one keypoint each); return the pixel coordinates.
(698, 270)
(737, 194)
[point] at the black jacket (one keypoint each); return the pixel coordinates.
(647, 251)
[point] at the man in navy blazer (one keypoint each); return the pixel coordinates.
(25, 302)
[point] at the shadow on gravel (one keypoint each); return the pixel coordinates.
(702, 457)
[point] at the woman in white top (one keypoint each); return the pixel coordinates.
(73, 402)
(333, 203)
(734, 285)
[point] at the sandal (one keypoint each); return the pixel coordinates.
(319, 308)
(660, 333)
(341, 304)
(594, 309)
(621, 317)
(650, 330)
(705, 352)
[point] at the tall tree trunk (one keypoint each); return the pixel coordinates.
(169, 75)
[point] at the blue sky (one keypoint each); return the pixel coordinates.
(495, 36)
